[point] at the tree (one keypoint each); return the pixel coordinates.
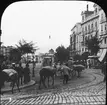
(15, 55)
(77, 57)
(85, 55)
(62, 54)
(26, 47)
(1, 58)
(93, 45)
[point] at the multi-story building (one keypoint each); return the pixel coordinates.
(103, 28)
(3, 50)
(75, 39)
(94, 23)
(6, 50)
(90, 25)
(102, 33)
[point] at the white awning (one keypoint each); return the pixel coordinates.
(100, 52)
(93, 56)
(102, 55)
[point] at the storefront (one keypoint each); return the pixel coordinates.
(93, 60)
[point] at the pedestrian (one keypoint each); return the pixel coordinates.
(65, 71)
(20, 73)
(103, 67)
(26, 74)
(88, 63)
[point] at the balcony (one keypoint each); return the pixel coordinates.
(103, 33)
(103, 20)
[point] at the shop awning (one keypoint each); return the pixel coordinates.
(102, 55)
(93, 56)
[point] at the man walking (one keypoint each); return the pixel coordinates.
(65, 71)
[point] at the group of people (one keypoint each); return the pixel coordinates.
(23, 73)
(66, 68)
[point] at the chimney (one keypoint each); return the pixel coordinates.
(87, 7)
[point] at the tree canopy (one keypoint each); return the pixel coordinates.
(26, 47)
(62, 53)
(15, 55)
(93, 45)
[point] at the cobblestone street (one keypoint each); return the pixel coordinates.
(77, 91)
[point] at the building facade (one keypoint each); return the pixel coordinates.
(6, 50)
(75, 39)
(90, 25)
(103, 28)
(94, 23)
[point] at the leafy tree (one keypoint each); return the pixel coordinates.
(77, 57)
(62, 54)
(93, 45)
(1, 58)
(85, 55)
(15, 55)
(26, 47)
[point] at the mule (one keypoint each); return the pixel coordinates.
(47, 72)
(78, 68)
(9, 75)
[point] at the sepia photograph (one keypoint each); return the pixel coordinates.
(53, 53)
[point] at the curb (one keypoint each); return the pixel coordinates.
(32, 82)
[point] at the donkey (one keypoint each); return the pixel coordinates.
(9, 75)
(78, 68)
(47, 72)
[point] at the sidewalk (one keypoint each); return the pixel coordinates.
(7, 87)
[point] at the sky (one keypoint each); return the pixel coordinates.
(37, 20)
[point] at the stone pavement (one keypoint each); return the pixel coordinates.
(90, 93)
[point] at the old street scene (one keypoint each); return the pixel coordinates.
(52, 52)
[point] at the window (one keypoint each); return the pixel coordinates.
(83, 30)
(101, 28)
(88, 28)
(82, 18)
(96, 25)
(92, 26)
(101, 18)
(96, 11)
(82, 49)
(86, 49)
(105, 27)
(105, 40)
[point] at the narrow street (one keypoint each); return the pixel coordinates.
(88, 89)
